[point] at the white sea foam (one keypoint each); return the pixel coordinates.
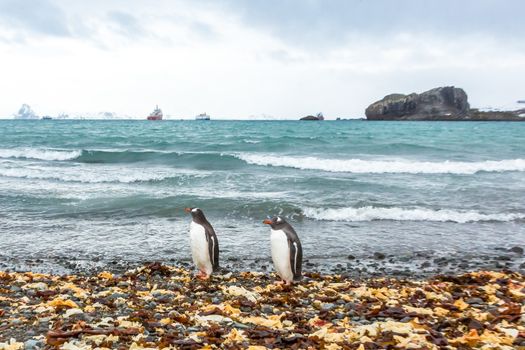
(39, 153)
(378, 166)
(369, 213)
(88, 175)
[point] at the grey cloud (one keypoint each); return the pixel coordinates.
(35, 16)
(330, 22)
(202, 29)
(126, 23)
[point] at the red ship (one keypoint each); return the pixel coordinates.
(156, 114)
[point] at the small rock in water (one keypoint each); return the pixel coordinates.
(517, 250)
(379, 256)
(503, 258)
(351, 257)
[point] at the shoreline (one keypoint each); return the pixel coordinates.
(417, 265)
(158, 306)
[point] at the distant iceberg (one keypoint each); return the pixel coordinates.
(25, 112)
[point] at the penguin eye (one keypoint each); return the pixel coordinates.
(194, 210)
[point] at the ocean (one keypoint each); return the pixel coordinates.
(373, 198)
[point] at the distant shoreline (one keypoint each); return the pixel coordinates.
(267, 120)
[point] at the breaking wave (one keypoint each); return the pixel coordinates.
(400, 214)
(376, 166)
(41, 154)
(85, 175)
(218, 160)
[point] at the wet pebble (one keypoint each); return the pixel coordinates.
(82, 317)
(327, 306)
(474, 301)
(165, 299)
(16, 321)
(339, 316)
(123, 284)
(43, 327)
(240, 325)
(33, 344)
(267, 309)
(118, 295)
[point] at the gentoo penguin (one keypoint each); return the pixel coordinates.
(204, 244)
(287, 253)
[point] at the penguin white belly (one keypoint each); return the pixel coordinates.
(199, 248)
(281, 255)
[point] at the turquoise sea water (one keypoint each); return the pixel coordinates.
(115, 190)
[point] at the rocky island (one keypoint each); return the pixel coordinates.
(447, 103)
(319, 116)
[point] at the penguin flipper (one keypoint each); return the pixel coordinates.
(296, 259)
(213, 248)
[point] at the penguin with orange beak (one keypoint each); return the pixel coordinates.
(204, 244)
(287, 252)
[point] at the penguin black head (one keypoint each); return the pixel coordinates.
(197, 214)
(277, 222)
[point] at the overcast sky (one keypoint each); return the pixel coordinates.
(236, 59)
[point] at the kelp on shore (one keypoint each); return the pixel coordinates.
(158, 306)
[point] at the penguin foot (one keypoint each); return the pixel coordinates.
(202, 275)
(283, 283)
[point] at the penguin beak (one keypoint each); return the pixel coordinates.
(187, 210)
(267, 222)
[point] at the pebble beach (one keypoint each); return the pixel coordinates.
(158, 306)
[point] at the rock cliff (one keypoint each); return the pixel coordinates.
(442, 103)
